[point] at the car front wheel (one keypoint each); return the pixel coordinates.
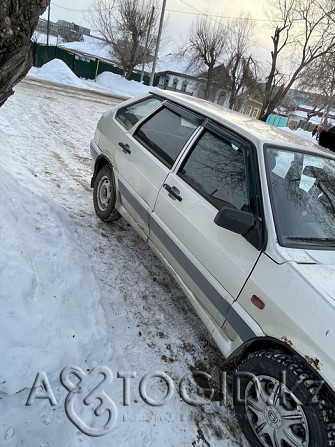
(279, 402)
(104, 195)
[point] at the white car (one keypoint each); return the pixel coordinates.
(243, 215)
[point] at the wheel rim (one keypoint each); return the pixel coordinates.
(275, 414)
(104, 193)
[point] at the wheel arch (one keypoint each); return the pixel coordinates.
(263, 343)
(100, 162)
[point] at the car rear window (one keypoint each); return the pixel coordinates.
(166, 133)
(129, 115)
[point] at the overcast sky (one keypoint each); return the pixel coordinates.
(180, 14)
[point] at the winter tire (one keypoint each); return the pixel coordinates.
(280, 402)
(104, 195)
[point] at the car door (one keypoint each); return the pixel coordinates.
(146, 155)
(212, 261)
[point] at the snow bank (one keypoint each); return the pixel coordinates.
(118, 84)
(50, 316)
(57, 71)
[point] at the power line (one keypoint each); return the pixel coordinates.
(173, 10)
(211, 18)
(70, 9)
(218, 16)
(198, 12)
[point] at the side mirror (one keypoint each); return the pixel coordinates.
(241, 222)
(238, 221)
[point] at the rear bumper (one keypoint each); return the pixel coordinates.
(95, 152)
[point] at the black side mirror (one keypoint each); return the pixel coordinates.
(241, 222)
(238, 221)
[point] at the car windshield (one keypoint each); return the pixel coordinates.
(302, 189)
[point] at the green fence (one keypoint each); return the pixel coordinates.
(83, 66)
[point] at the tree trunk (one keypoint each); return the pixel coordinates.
(233, 82)
(209, 82)
(18, 20)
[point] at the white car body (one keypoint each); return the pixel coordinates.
(219, 270)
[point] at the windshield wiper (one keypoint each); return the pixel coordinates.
(311, 239)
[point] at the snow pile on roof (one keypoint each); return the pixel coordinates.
(90, 45)
(43, 276)
(57, 71)
(42, 38)
(300, 113)
(119, 85)
(175, 63)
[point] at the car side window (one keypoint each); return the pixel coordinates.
(216, 168)
(129, 115)
(166, 133)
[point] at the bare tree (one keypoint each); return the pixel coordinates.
(320, 78)
(304, 28)
(18, 19)
(124, 24)
(241, 66)
(206, 45)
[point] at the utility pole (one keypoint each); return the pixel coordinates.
(147, 43)
(158, 41)
(48, 24)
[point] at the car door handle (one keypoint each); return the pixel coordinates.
(173, 192)
(125, 148)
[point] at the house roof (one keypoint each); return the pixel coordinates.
(174, 73)
(220, 74)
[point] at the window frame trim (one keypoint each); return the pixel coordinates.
(252, 172)
(134, 104)
(211, 129)
(182, 112)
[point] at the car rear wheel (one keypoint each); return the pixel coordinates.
(279, 402)
(104, 195)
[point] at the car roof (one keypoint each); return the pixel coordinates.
(246, 126)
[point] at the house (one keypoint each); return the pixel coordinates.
(219, 90)
(252, 107)
(70, 31)
(174, 73)
(299, 117)
(179, 82)
(250, 102)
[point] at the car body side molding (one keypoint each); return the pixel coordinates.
(220, 303)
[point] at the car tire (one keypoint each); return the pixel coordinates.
(279, 402)
(104, 195)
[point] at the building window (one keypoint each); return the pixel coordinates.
(175, 83)
(166, 81)
(255, 112)
(184, 85)
(248, 110)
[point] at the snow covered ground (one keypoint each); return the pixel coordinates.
(77, 291)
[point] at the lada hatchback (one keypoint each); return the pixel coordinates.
(243, 215)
